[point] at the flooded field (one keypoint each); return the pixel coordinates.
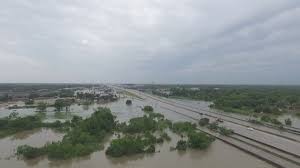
(218, 155)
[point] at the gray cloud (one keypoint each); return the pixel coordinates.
(144, 41)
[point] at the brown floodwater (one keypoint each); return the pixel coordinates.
(218, 155)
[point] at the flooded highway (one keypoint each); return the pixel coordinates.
(218, 155)
(280, 142)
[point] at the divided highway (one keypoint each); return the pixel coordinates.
(280, 148)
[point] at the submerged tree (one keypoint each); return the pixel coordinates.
(288, 122)
(41, 107)
(128, 102)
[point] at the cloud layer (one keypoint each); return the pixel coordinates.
(145, 41)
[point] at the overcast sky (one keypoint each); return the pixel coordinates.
(145, 41)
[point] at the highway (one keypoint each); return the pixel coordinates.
(205, 108)
(281, 148)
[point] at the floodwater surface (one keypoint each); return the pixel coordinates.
(218, 155)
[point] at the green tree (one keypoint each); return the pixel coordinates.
(181, 145)
(29, 102)
(288, 122)
(41, 106)
(203, 122)
(148, 109)
(128, 102)
(60, 104)
(199, 140)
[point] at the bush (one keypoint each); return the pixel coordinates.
(125, 146)
(150, 149)
(29, 102)
(140, 125)
(42, 106)
(288, 122)
(203, 122)
(29, 152)
(148, 109)
(213, 126)
(181, 145)
(165, 136)
(183, 127)
(276, 122)
(128, 102)
(199, 140)
(266, 118)
(225, 131)
(255, 121)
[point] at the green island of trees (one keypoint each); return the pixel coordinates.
(129, 145)
(195, 139)
(82, 139)
(14, 124)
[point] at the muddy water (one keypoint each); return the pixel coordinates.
(36, 137)
(295, 119)
(119, 108)
(218, 155)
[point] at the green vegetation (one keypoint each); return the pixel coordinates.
(60, 104)
(255, 121)
(139, 135)
(196, 140)
(244, 99)
(165, 136)
(213, 126)
(5, 98)
(150, 122)
(132, 95)
(225, 131)
(30, 152)
(13, 124)
(140, 125)
(128, 102)
(199, 140)
(288, 122)
(41, 106)
(268, 119)
(183, 127)
(148, 109)
(129, 145)
(203, 122)
(83, 139)
(181, 145)
(29, 102)
(222, 130)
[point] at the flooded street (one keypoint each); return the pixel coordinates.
(218, 155)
